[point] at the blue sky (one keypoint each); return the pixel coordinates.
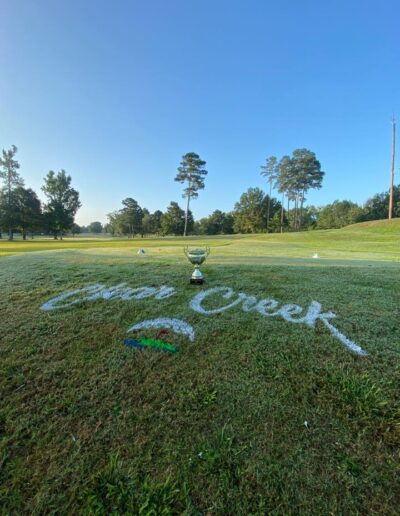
(116, 92)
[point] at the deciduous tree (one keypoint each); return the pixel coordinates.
(95, 227)
(12, 180)
(63, 202)
(339, 214)
(28, 211)
(250, 213)
(174, 219)
(131, 216)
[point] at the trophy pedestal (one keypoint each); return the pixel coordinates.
(196, 281)
(197, 277)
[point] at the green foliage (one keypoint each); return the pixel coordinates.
(192, 172)
(173, 220)
(155, 221)
(11, 181)
(95, 227)
(76, 229)
(377, 207)
(128, 220)
(147, 223)
(250, 213)
(113, 492)
(339, 214)
(270, 170)
(296, 176)
(218, 223)
(28, 211)
(62, 202)
(131, 217)
(9, 170)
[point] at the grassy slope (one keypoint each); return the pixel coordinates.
(89, 425)
(378, 240)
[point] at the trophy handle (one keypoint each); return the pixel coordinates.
(186, 250)
(208, 250)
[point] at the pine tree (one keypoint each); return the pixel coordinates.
(192, 172)
(270, 172)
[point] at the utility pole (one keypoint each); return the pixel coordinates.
(392, 174)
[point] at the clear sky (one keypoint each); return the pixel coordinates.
(115, 92)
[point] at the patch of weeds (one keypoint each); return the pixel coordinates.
(15, 374)
(116, 410)
(112, 492)
(360, 395)
(349, 466)
(198, 398)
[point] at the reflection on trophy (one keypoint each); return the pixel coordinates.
(196, 256)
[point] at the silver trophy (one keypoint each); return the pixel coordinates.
(196, 256)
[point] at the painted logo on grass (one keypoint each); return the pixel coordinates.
(266, 307)
(176, 325)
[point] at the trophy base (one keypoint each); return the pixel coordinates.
(196, 281)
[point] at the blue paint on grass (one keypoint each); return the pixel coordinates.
(150, 344)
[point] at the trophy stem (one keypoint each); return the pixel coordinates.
(197, 277)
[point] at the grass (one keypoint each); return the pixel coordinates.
(90, 426)
(377, 240)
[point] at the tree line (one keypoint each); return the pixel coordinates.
(255, 212)
(21, 209)
(291, 177)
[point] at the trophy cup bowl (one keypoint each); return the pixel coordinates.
(196, 256)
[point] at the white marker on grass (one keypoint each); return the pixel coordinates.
(176, 325)
(269, 308)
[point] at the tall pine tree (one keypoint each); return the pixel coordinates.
(192, 172)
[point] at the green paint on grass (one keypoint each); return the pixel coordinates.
(151, 343)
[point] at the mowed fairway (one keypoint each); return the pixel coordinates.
(90, 425)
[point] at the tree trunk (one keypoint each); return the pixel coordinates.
(186, 216)
(288, 204)
(269, 202)
(294, 214)
(283, 199)
(23, 234)
(301, 210)
(10, 229)
(187, 205)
